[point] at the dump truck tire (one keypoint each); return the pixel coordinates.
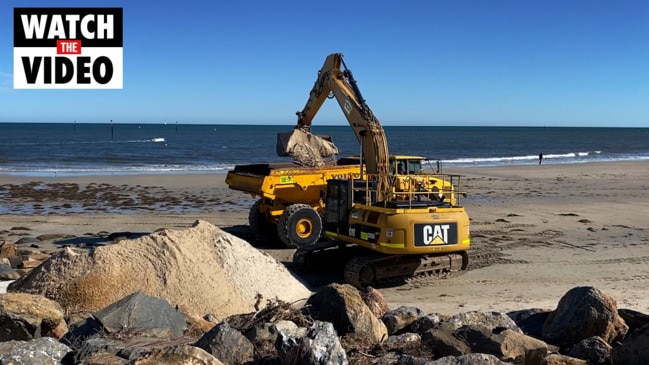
(260, 224)
(299, 225)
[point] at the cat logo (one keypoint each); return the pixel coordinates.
(435, 234)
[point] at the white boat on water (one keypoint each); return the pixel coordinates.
(158, 139)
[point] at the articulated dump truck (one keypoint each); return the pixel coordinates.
(291, 198)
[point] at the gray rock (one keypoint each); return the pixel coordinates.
(179, 354)
(491, 320)
(426, 322)
(593, 349)
(28, 241)
(320, 346)
(403, 341)
(226, 344)
(99, 345)
(444, 343)
(398, 319)
(8, 273)
(507, 345)
(83, 330)
(40, 351)
(469, 359)
(142, 314)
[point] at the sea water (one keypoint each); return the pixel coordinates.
(49, 149)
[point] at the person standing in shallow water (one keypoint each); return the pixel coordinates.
(540, 158)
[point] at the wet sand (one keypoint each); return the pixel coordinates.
(537, 231)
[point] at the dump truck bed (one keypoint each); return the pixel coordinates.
(289, 182)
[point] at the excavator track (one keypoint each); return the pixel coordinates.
(364, 268)
(378, 269)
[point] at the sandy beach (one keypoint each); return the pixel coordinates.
(537, 231)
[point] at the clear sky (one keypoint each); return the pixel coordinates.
(421, 62)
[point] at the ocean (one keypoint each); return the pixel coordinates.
(50, 149)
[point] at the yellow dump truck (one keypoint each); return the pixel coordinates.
(292, 198)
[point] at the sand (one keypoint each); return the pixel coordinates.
(537, 231)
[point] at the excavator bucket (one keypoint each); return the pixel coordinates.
(306, 149)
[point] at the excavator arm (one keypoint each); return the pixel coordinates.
(334, 78)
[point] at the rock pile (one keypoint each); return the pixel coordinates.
(201, 270)
(142, 329)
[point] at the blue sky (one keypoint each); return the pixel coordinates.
(474, 63)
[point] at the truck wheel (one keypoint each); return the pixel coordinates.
(299, 225)
(260, 224)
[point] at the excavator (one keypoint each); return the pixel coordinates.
(402, 232)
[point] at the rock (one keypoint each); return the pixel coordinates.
(82, 330)
(342, 305)
(593, 349)
(400, 318)
(29, 264)
(426, 322)
(269, 331)
(27, 316)
(142, 314)
(634, 349)
(320, 346)
(104, 358)
(394, 358)
(54, 237)
(8, 250)
(92, 347)
(633, 319)
(581, 313)
(28, 241)
(530, 321)
(44, 350)
(402, 341)
(35, 255)
(180, 354)
(374, 301)
(444, 343)
(556, 359)
(8, 273)
(491, 320)
(469, 359)
(226, 344)
(507, 345)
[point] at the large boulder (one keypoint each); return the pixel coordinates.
(320, 345)
(226, 344)
(581, 313)
(142, 314)
(27, 316)
(342, 305)
(203, 269)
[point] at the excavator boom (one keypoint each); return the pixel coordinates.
(311, 150)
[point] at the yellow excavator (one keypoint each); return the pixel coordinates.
(405, 230)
